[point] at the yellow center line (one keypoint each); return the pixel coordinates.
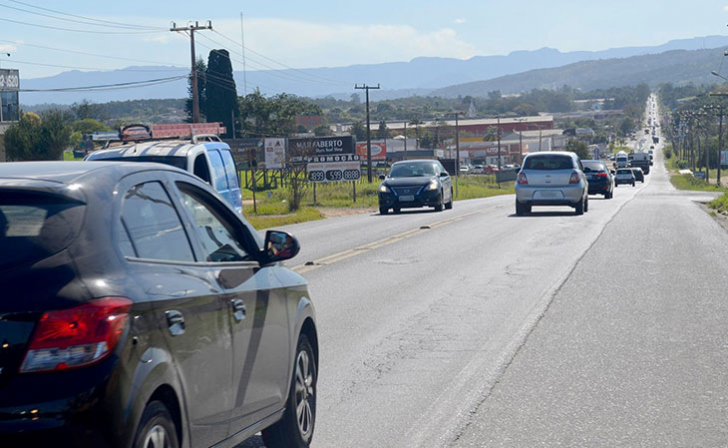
(340, 256)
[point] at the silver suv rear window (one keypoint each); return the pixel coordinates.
(549, 163)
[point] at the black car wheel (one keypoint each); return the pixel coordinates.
(383, 210)
(448, 205)
(579, 208)
(520, 208)
(295, 428)
(586, 205)
(440, 206)
(156, 429)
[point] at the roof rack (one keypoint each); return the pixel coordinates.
(197, 132)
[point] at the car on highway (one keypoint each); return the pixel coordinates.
(624, 176)
(415, 184)
(464, 169)
(639, 175)
(552, 178)
(600, 178)
(478, 169)
(141, 310)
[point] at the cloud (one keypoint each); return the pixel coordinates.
(7, 48)
(305, 45)
(461, 21)
(725, 8)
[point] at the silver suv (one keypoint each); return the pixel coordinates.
(552, 178)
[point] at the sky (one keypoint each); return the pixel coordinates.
(302, 34)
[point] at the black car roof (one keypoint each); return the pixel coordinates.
(68, 172)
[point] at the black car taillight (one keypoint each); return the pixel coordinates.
(77, 337)
(574, 179)
(522, 179)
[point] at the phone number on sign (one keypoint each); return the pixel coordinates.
(334, 175)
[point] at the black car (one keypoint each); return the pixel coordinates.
(599, 177)
(639, 175)
(138, 309)
(413, 184)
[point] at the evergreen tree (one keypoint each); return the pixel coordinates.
(201, 87)
(221, 96)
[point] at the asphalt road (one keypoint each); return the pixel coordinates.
(474, 327)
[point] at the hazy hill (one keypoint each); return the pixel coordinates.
(417, 77)
(677, 67)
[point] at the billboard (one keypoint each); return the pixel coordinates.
(275, 153)
(9, 101)
(322, 146)
(379, 150)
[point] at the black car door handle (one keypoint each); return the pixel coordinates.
(176, 322)
(238, 310)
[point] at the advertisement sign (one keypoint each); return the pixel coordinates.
(379, 150)
(322, 145)
(9, 100)
(333, 171)
(724, 158)
(275, 153)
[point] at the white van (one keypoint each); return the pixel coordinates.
(206, 156)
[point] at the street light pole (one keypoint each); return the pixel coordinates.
(457, 151)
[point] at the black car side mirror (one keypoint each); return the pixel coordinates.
(382, 177)
(279, 246)
(444, 174)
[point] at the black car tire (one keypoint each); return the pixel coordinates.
(383, 210)
(156, 428)
(586, 204)
(439, 207)
(633, 183)
(579, 208)
(396, 210)
(520, 208)
(287, 433)
(448, 205)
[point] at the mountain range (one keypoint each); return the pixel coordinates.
(686, 60)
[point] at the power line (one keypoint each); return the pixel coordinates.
(274, 71)
(129, 25)
(15, 61)
(87, 54)
(76, 31)
(280, 63)
(83, 22)
(117, 86)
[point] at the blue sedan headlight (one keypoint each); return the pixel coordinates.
(434, 185)
(384, 189)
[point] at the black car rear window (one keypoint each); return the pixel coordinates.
(35, 226)
(593, 167)
(549, 163)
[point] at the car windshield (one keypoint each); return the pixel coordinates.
(549, 163)
(421, 169)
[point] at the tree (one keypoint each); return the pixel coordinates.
(322, 130)
(263, 116)
(200, 67)
(580, 148)
(89, 126)
(626, 126)
(355, 99)
(41, 137)
(359, 131)
(383, 132)
(88, 110)
(221, 96)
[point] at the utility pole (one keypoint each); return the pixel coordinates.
(195, 93)
(369, 130)
(499, 145)
(405, 140)
(457, 151)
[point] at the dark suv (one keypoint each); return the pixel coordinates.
(600, 178)
(138, 309)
